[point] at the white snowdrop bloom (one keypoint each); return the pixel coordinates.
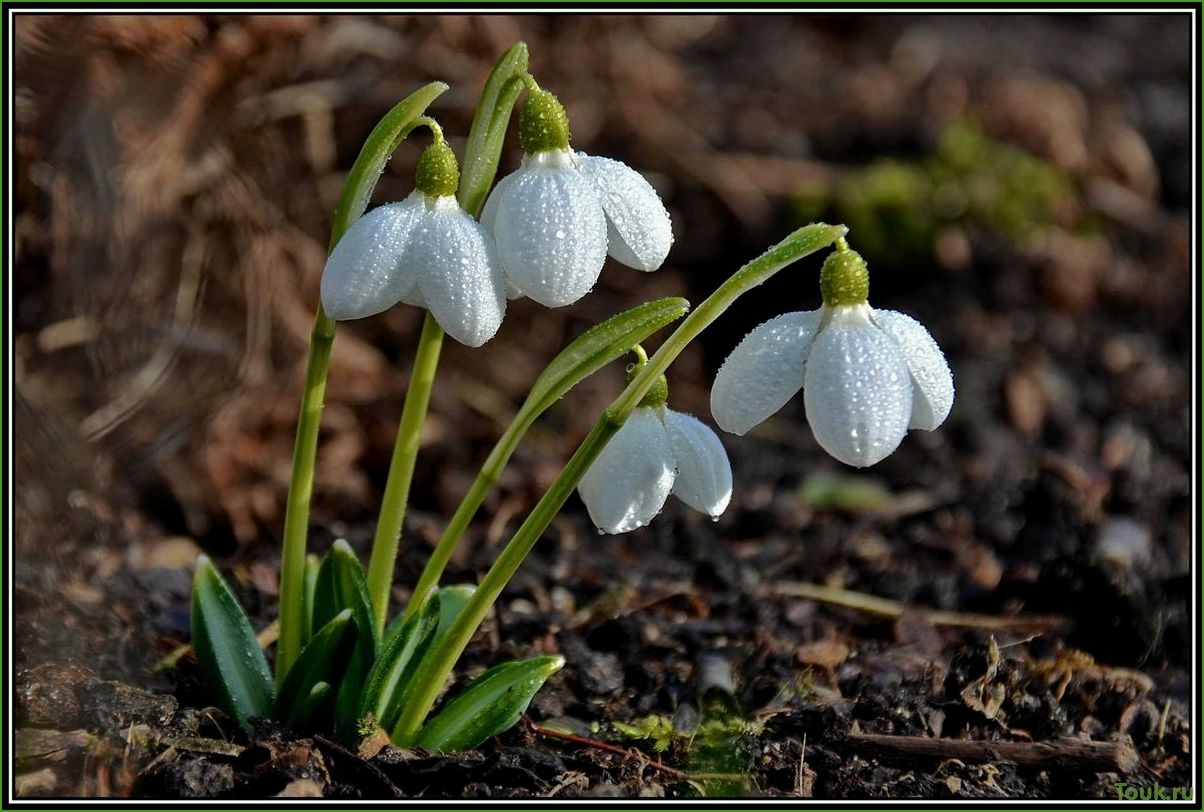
(867, 375)
(425, 251)
(557, 217)
(657, 452)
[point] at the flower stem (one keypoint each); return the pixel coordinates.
(301, 487)
(401, 468)
(357, 190)
(481, 156)
(806, 240)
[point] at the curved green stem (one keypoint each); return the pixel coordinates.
(401, 468)
(300, 492)
(805, 241)
(357, 191)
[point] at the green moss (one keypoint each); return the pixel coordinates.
(896, 209)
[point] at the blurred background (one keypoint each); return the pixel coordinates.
(1020, 184)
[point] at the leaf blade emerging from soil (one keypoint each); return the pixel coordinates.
(228, 655)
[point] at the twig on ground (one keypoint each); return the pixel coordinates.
(1067, 754)
(881, 607)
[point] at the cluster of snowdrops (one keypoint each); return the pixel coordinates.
(545, 230)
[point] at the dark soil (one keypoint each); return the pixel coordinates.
(174, 179)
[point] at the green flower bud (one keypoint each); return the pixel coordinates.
(438, 172)
(543, 124)
(658, 394)
(844, 278)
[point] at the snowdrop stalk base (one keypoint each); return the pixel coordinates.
(357, 191)
(806, 240)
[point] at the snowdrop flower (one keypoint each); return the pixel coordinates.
(867, 375)
(556, 217)
(425, 251)
(657, 452)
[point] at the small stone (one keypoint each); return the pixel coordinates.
(822, 653)
(1123, 542)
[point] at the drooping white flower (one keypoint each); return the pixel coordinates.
(867, 375)
(557, 217)
(425, 251)
(657, 452)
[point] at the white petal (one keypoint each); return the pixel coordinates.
(551, 232)
(856, 389)
(458, 273)
(704, 474)
(931, 378)
(630, 480)
(489, 220)
(363, 275)
(639, 232)
(489, 211)
(764, 371)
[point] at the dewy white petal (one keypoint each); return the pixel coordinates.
(364, 274)
(458, 272)
(764, 371)
(639, 232)
(489, 220)
(931, 378)
(550, 230)
(630, 480)
(704, 473)
(856, 389)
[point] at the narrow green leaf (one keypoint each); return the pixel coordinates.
(405, 643)
(377, 149)
(323, 660)
(307, 598)
(598, 346)
(340, 585)
(484, 147)
(228, 655)
(492, 703)
(313, 711)
(451, 602)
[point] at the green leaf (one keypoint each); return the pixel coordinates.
(312, 712)
(451, 602)
(406, 642)
(484, 147)
(492, 703)
(598, 346)
(228, 655)
(377, 149)
(307, 598)
(340, 585)
(324, 660)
